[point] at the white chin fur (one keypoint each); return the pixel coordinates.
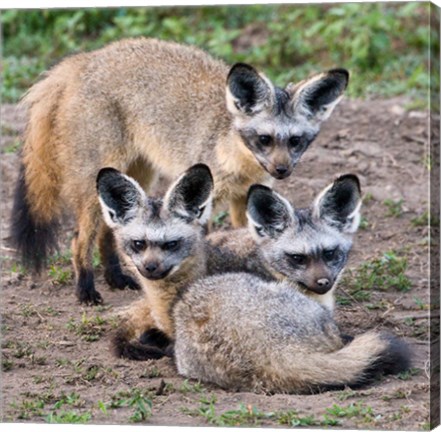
(326, 300)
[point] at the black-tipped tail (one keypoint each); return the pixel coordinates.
(395, 358)
(122, 346)
(33, 240)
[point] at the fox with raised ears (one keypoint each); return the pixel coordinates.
(308, 247)
(234, 329)
(148, 107)
(162, 242)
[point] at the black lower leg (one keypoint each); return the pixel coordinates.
(86, 292)
(154, 337)
(113, 272)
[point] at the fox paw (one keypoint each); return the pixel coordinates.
(90, 298)
(117, 279)
(154, 337)
(86, 292)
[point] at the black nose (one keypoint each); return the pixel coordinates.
(151, 267)
(281, 169)
(323, 283)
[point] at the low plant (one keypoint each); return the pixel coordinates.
(384, 273)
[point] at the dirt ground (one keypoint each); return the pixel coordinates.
(55, 357)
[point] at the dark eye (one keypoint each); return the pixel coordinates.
(139, 245)
(298, 259)
(264, 139)
(295, 141)
(171, 245)
(329, 255)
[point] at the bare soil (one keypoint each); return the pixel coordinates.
(55, 357)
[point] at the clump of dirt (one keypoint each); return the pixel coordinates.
(55, 358)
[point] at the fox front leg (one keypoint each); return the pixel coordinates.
(113, 270)
(238, 206)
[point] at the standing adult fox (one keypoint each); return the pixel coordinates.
(144, 107)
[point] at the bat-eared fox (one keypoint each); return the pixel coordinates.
(235, 329)
(149, 107)
(308, 247)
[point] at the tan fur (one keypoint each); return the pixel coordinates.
(81, 120)
(299, 370)
(148, 107)
(246, 334)
(136, 319)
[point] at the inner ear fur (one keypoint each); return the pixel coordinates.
(319, 95)
(268, 212)
(339, 203)
(190, 196)
(119, 195)
(248, 91)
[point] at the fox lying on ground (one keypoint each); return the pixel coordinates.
(148, 107)
(243, 333)
(236, 329)
(307, 247)
(302, 246)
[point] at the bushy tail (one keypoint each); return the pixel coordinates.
(358, 363)
(33, 238)
(36, 210)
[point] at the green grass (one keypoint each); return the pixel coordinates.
(57, 271)
(292, 418)
(249, 415)
(13, 147)
(394, 207)
(384, 273)
(220, 218)
(64, 258)
(136, 399)
(18, 268)
(7, 364)
(364, 224)
(68, 417)
(358, 410)
(425, 219)
(27, 409)
(89, 328)
(388, 57)
(66, 408)
(243, 416)
(152, 372)
(191, 387)
(60, 275)
(408, 374)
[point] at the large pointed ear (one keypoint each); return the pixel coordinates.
(191, 195)
(319, 95)
(339, 203)
(248, 92)
(119, 195)
(269, 214)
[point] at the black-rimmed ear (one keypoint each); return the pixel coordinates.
(339, 203)
(248, 92)
(269, 214)
(319, 95)
(120, 196)
(190, 196)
